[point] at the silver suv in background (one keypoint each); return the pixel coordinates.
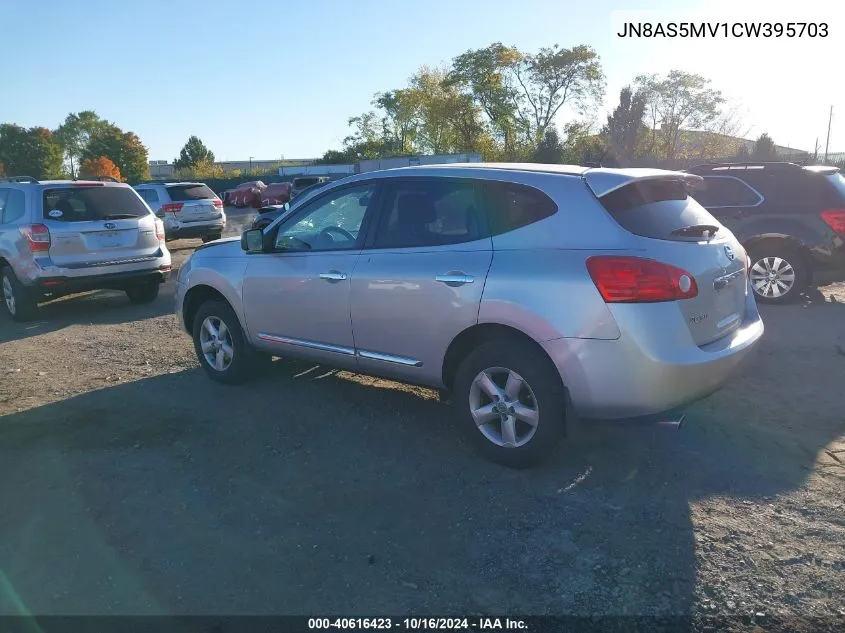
(527, 291)
(59, 237)
(188, 209)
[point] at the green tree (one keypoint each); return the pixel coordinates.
(764, 148)
(678, 101)
(34, 152)
(125, 150)
(550, 149)
(625, 128)
(193, 153)
(75, 133)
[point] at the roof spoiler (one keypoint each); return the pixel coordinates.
(603, 181)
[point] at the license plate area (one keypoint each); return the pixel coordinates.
(108, 239)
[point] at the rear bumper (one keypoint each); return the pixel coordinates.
(194, 230)
(112, 281)
(644, 373)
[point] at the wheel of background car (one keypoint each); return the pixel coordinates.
(778, 273)
(336, 229)
(220, 344)
(17, 301)
(143, 292)
(514, 406)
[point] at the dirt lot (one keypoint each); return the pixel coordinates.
(130, 483)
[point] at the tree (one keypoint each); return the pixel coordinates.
(555, 77)
(75, 133)
(99, 167)
(583, 147)
(625, 128)
(678, 101)
(764, 148)
(34, 152)
(203, 170)
(125, 149)
(193, 152)
(550, 150)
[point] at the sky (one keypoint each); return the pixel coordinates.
(272, 78)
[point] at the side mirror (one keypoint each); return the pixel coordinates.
(252, 241)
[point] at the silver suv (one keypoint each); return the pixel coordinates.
(58, 237)
(530, 293)
(188, 209)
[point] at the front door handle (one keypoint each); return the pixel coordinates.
(333, 276)
(455, 279)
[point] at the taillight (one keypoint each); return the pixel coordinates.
(37, 237)
(835, 219)
(637, 280)
(172, 207)
(159, 230)
(218, 204)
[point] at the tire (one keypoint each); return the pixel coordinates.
(242, 362)
(541, 396)
(790, 267)
(210, 238)
(18, 302)
(143, 292)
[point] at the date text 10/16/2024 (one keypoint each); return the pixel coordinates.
(418, 624)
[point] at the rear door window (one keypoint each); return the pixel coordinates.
(511, 206)
(13, 207)
(186, 193)
(430, 212)
(86, 204)
(659, 209)
(725, 191)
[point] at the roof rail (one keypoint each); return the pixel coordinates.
(98, 179)
(29, 179)
(744, 166)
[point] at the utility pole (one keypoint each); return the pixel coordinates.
(816, 151)
(827, 142)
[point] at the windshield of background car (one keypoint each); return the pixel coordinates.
(85, 204)
(186, 193)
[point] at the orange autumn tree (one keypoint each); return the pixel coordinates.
(98, 168)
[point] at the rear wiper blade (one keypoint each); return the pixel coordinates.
(708, 230)
(120, 216)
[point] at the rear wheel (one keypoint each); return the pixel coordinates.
(778, 273)
(210, 238)
(17, 300)
(143, 292)
(221, 346)
(514, 405)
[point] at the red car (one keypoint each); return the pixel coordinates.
(247, 194)
(276, 193)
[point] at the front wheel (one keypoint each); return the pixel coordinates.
(514, 405)
(778, 274)
(221, 346)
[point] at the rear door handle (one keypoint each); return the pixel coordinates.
(455, 279)
(333, 276)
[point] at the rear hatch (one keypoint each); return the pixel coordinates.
(194, 202)
(95, 223)
(674, 229)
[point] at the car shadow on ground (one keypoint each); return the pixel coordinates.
(315, 491)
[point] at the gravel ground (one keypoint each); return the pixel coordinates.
(132, 484)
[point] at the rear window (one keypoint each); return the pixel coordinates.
(656, 208)
(84, 204)
(838, 182)
(186, 193)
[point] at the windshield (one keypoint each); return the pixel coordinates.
(81, 204)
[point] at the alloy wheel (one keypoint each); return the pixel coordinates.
(503, 407)
(772, 277)
(216, 343)
(9, 295)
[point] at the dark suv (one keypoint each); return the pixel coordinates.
(790, 219)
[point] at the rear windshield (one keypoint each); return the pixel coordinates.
(656, 209)
(185, 193)
(84, 204)
(838, 182)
